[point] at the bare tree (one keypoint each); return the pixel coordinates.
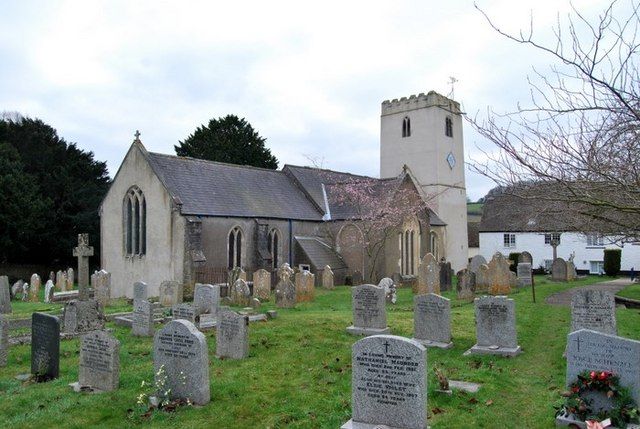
(575, 148)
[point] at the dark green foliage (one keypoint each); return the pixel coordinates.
(55, 186)
(229, 139)
(513, 257)
(612, 261)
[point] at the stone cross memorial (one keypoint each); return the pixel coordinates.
(83, 252)
(594, 310)
(180, 356)
(388, 384)
(232, 335)
(262, 284)
(99, 362)
(5, 295)
(142, 325)
(432, 321)
(368, 305)
(45, 346)
(206, 299)
(327, 278)
(4, 340)
(101, 284)
(495, 327)
(170, 293)
(428, 275)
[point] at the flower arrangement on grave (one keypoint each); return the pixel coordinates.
(623, 410)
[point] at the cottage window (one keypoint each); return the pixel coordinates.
(135, 221)
(509, 240)
(549, 238)
(595, 240)
(235, 248)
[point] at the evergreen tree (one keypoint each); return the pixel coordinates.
(229, 139)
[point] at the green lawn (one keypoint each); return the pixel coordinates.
(632, 292)
(298, 374)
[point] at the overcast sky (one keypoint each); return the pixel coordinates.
(309, 77)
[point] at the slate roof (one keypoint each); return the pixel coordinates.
(319, 253)
(208, 188)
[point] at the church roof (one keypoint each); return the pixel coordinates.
(208, 188)
(320, 253)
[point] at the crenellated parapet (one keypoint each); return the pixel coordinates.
(422, 100)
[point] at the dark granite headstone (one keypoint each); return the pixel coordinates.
(45, 346)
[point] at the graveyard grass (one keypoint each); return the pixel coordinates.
(298, 373)
(632, 292)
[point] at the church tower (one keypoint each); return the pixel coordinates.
(424, 132)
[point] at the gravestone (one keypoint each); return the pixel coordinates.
(45, 346)
(17, 288)
(82, 316)
(499, 275)
(232, 335)
(369, 315)
(390, 290)
(327, 278)
(388, 384)
(48, 291)
(34, 288)
(589, 350)
(285, 289)
(559, 270)
(356, 278)
(495, 327)
(70, 278)
(240, 294)
(305, 286)
(481, 279)
(446, 276)
(99, 361)
(428, 275)
(140, 291)
(262, 284)
(142, 325)
(83, 252)
(5, 295)
(61, 281)
(476, 262)
(594, 310)
(25, 291)
(170, 293)
(572, 274)
(206, 299)
(432, 321)
(524, 274)
(101, 285)
(184, 311)
(4, 340)
(180, 357)
(525, 257)
(464, 287)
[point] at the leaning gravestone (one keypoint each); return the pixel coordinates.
(181, 359)
(5, 295)
(45, 346)
(99, 362)
(495, 327)
(388, 384)
(170, 293)
(232, 335)
(262, 284)
(476, 262)
(446, 275)
(83, 252)
(184, 311)
(101, 284)
(559, 270)
(34, 288)
(206, 299)
(465, 284)
(327, 278)
(369, 316)
(428, 275)
(285, 290)
(142, 325)
(594, 310)
(499, 275)
(240, 294)
(305, 286)
(4, 340)
(432, 321)
(82, 316)
(524, 274)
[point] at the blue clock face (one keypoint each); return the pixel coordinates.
(451, 160)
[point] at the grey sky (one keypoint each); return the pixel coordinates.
(309, 77)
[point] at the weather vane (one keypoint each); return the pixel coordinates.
(452, 82)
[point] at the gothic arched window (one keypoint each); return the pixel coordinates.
(434, 244)
(448, 127)
(135, 222)
(235, 248)
(274, 247)
(406, 127)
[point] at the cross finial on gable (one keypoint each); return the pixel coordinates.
(137, 135)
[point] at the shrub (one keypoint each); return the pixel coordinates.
(612, 261)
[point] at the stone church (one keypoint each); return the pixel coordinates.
(176, 218)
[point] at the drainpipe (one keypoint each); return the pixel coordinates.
(290, 242)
